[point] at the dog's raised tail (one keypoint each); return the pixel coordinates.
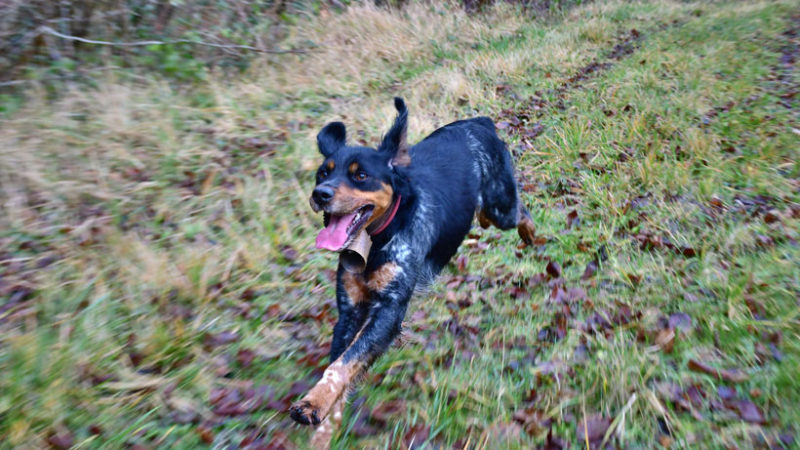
(394, 142)
(400, 106)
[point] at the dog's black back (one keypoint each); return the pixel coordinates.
(456, 171)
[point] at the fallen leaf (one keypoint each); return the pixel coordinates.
(572, 219)
(228, 401)
(558, 294)
(273, 311)
(553, 443)
(461, 263)
(206, 434)
(749, 412)
(591, 269)
(212, 340)
(532, 419)
(537, 279)
(416, 436)
(593, 429)
(504, 431)
(245, 357)
(680, 321)
(553, 269)
(776, 353)
(772, 216)
(716, 202)
(665, 339)
(62, 440)
(278, 441)
(634, 278)
(695, 394)
(384, 413)
(787, 438)
(726, 392)
(575, 294)
(764, 241)
(289, 253)
(581, 354)
(547, 334)
(733, 376)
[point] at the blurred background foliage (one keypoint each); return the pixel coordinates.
(42, 39)
(26, 46)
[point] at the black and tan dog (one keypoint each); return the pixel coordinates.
(417, 204)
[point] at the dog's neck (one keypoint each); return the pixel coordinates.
(384, 222)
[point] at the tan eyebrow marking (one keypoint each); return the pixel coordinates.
(330, 165)
(353, 167)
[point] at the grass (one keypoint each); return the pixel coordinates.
(157, 244)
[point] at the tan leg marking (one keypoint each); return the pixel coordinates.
(483, 220)
(321, 439)
(315, 406)
(355, 287)
(380, 278)
(525, 227)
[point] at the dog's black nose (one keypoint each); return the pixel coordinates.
(322, 195)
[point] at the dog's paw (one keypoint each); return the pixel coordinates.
(303, 412)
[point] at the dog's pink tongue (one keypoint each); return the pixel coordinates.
(334, 236)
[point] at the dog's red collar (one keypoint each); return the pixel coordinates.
(389, 218)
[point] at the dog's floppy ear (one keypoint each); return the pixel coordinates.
(394, 143)
(331, 138)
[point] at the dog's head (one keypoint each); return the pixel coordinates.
(356, 185)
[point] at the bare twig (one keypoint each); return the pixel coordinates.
(14, 82)
(52, 32)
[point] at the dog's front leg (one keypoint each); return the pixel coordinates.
(390, 291)
(352, 302)
(321, 439)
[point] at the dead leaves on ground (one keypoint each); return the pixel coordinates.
(726, 403)
(592, 430)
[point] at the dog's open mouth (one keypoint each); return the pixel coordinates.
(340, 230)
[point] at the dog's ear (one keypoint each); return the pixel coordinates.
(331, 138)
(394, 143)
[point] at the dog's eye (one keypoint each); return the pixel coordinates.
(323, 174)
(360, 175)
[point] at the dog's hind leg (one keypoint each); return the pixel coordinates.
(522, 222)
(500, 204)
